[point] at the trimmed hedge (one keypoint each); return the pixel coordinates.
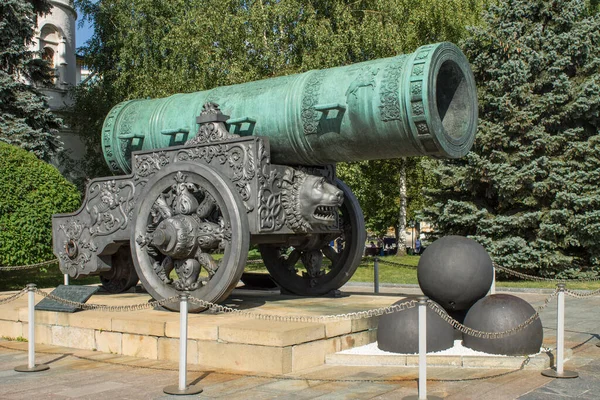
(30, 192)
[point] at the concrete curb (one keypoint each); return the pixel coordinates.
(538, 362)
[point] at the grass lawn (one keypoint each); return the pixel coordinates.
(398, 274)
(15, 280)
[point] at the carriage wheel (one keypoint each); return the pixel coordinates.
(191, 234)
(316, 268)
(122, 275)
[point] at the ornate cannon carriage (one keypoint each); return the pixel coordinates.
(213, 172)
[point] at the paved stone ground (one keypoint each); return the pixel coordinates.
(78, 374)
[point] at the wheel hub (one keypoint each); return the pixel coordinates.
(176, 236)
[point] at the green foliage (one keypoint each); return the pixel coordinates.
(13, 339)
(375, 184)
(30, 192)
(529, 189)
(25, 119)
(396, 274)
(52, 277)
(149, 48)
(86, 116)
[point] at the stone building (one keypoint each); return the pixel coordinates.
(55, 40)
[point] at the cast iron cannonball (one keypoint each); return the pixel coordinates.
(455, 272)
(398, 332)
(499, 313)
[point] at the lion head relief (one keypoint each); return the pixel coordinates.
(309, 200)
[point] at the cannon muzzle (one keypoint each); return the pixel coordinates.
(424, 103)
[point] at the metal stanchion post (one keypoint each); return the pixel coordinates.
(376, 275)
(423, 300)
(31, 367)
(66, 279)
(493, 288)
(559, 371)
(423, 348)
(183, 388)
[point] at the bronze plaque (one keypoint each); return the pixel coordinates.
(80, 294)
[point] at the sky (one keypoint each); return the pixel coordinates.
(82, 34)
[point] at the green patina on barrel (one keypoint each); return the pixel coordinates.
(424, 103)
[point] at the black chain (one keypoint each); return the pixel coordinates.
(30, 266)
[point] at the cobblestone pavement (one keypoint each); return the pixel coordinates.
(78, 374)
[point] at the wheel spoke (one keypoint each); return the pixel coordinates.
(331, 254)
(291, 260)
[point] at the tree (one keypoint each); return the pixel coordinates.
(25, 118)
(529, 190)
(148, 48)
(378, 186)
(31, 191)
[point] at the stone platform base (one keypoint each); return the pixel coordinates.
(235, 342)
(215, 341)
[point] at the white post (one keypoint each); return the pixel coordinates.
(31, 310)
(66, 279)
(183, 331)
(560, 330)
(376, 275)
(182, 388)
(493, 288)
(423, 348)
(559, 372)
(31, 367)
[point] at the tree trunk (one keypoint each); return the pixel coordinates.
(403, 205)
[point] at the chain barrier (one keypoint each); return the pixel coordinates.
(222, 309)
(12, 297)
(355, 315)
(497, 267)
(307, 318)
(30, 266)
(582, 294)
(301, 318)
(384, 261)
(539, 278)
(489, 335)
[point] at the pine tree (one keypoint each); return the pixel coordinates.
(529, 189)
(25, 118)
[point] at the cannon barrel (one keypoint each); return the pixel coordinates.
(424, 103)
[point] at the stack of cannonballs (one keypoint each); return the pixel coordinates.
(456, 273)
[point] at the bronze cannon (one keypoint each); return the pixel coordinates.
(213, 172)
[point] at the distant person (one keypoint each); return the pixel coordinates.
(372, 245)
(418, 246)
